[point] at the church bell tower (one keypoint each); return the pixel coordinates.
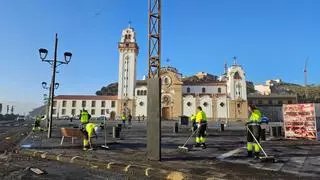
(128, 52)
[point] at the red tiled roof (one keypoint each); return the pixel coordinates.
(86, 97)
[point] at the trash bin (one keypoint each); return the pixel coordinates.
(222, 127)
(184, 120)
(176, 127)
(120, 127)
(116, 132)
(263, 134)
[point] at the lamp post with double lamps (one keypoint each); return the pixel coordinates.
(54, 63)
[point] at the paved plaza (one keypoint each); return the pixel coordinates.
(295, 158)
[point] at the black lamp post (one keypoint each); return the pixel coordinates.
(44, 86)
(55, 63)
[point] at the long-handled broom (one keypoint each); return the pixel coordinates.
(266, 158)
(184, 148)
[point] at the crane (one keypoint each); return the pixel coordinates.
(306, 78)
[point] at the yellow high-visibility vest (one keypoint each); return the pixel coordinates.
(255, 116)
(84, 117)
(193, 118)
(90, 129)
(201, 117)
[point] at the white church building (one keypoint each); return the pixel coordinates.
(223, 98)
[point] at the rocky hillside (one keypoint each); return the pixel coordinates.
(312, 91)
(110, 90)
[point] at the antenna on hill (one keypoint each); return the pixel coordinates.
(306, 77)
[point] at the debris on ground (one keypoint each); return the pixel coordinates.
(7, 138)
(26, 146)
(37, 171)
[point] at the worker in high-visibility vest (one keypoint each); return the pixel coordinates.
(201, 121)
(91, 129)
(254, 126)
(84, 117)
(123, 119)
(193, 120)
(37, 122)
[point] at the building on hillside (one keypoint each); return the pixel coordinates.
(271, 105)
(203, 75)
(225, 98)
(268, 88)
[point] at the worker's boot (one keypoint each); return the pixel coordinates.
(256, 155)
(249, 154)
(203, 145)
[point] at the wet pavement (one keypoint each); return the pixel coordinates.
(296, 159)
(14, 166)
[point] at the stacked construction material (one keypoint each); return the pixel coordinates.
(302, 121)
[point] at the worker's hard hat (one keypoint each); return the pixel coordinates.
(97, 129)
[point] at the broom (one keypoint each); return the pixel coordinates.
(184, 148)
(266, 158)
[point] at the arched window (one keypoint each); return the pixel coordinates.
(145, 92)
(237, 76)
(205, 104)
(188, 90)
(189, 104)
(138, 92)
(203, 90)
(141, 103)
(219, 90)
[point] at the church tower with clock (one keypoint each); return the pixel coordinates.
(128, 52)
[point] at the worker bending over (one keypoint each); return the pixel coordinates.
(91, 130)
(201, 121)
(254, 126)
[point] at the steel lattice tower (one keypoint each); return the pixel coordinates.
(154, 31)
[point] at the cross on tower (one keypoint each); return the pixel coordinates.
(234, 60)
(130, 22)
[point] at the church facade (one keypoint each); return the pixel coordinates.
(223, 99)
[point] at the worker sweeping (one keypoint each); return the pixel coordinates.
(194, 124)
(201, 122)
(91, 130)
(254, 126)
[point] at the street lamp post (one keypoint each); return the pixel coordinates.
(67, 57)
(44, 86)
